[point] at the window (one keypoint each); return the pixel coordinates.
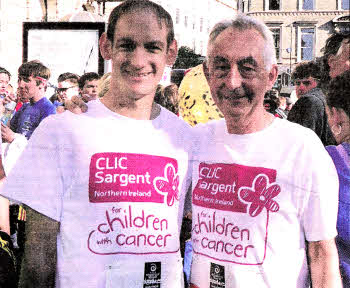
(186, 21)
(307, 5)
(272, 5)
(345, 4)
(177, 19)
(201, 25)
(244, 6)
(306, 43)
(276, 32)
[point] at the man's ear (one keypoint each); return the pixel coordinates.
(172, 53)
(272, 76)
(105, 47)
(206, 69)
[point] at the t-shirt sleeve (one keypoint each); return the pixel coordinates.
(319, 217)
(36, 178)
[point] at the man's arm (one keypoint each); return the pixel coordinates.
(324, 264)
(40, 251)
(4, 215)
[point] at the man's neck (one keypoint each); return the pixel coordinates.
(250, 123)
(141, 109)
(37, 97)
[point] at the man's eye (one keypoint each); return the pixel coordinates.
(153, 48)
(127, 46)
(247, 70)
(222, 67)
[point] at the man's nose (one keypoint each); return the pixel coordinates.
(138, 58)
(234, 78)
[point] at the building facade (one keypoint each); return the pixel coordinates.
(300, 27)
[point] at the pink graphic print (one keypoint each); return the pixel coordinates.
(128, 177)
(260, 195)
(168, 185)
(229, 219)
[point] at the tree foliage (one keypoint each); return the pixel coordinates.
(186, 58)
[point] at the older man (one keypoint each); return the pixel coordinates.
(255, 211)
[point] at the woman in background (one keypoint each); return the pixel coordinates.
(338, 101)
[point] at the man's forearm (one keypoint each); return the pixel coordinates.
(39, 259)
(324, 264)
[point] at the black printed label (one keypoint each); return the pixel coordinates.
(217, 276)
(152, 277)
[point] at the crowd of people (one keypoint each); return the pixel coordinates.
(101, 191)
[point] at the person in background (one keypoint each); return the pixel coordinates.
(67, 87)
(289, 105)
(88, 86)
(32, 84)
(310, 108)
(338, 110)
(168, 97)
(336, 55)
(5, 77)
(103, 84)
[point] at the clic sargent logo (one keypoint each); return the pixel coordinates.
(127, 177)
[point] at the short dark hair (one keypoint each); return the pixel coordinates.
(4, 71)
(338, 92)
(35, 69)
(132, 5)
(68, 76)
(89, 76)
(306, 70)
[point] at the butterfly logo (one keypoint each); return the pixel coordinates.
(168, 185)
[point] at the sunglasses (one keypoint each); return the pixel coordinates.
(61, 90)
(304, 82)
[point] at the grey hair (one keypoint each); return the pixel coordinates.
(243, 22)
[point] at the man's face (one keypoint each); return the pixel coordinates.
(66, 90)
(139, 54)
(340, 62)
(303, 86)
(89, 91)
(237, 77)
(28, 87)
(4, 81)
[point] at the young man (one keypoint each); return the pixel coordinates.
(255, 212)
(310, 109)
(32, 84)
(67, 87)
(88, 86)
(113, 180)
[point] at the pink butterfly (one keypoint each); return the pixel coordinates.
(168, 185)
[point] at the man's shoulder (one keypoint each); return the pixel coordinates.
(169, 118)
(314, 96)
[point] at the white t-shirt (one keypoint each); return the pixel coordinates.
(117, 186)
(256, 198)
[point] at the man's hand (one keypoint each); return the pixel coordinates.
(7, 134)
(76, 105)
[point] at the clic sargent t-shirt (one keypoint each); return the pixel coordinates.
(256, 198)
(117, 187)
